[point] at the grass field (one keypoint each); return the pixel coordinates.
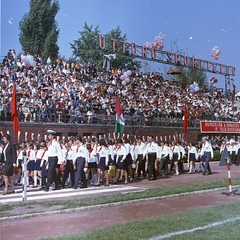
(218, 222)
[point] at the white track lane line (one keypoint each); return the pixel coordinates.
(39, 195)
(168, 235)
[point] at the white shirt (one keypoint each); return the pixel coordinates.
(122, 151)
(69, 154)
(141, 148)
(151, 147)
(54, 150)
(193, 150)
(207, 147)
(104, 152)
(81, 151)
(91, 155)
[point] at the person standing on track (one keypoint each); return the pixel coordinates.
(151, 153)
(54, 157)
(192, 157)
(207, 153)
(141, 162)
(9, 157)
(69, 156)
(81, 162)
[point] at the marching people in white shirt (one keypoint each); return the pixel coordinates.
(176, 156)
(140, 157)
(192, 156)
(102, 165)
(207, 153)
(69, 156)
(152, 154)
(100, 155)
(92, 164)
(121, 161)
(81, 162)
(55, 157)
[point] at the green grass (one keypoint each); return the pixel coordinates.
(171, 223)
(113, 198)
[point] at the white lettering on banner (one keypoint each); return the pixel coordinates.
(220, 127)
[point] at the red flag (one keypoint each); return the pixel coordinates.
(185, 124)
(13, 106)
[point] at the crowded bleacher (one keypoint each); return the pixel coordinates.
(60, 91)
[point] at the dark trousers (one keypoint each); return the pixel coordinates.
(80, 172)
(164, 165)
(68, 169)
(52, 163)
(180, 163)
(234, 156)
(141, 165)
(44, 173)
(238, 157)
(151, 165)
(207, 156)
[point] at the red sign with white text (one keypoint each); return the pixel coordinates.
(219, 127)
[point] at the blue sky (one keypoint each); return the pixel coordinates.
(197, 25)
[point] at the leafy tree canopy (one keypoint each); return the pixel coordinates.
(86, 48)
(38, 29)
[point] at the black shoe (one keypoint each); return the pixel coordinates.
(74, 187)
(204, 173)
(83, 187)
(210, 173)
(55, 189)
(151, 179)
(45, 190)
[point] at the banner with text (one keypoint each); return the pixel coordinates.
(219, 127)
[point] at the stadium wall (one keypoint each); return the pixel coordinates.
(35, 131)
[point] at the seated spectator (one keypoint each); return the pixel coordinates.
(26, 112)
(72, 114)
(90, 115)
(59, 111)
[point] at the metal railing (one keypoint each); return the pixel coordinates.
(103, 119)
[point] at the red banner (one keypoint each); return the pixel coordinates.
(219, 127)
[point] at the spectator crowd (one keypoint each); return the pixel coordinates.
(83, 93)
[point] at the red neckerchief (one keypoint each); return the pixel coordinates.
(43, 153)
(67, 153)
(89, 152)
(78, 146)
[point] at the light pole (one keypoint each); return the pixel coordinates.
(228, 85)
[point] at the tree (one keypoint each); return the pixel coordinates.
(86, 48)
(38, 29)
(189, 75)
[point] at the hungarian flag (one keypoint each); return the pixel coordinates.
(13, 106)
(119, 125)
(185, 124)
(213, 80)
